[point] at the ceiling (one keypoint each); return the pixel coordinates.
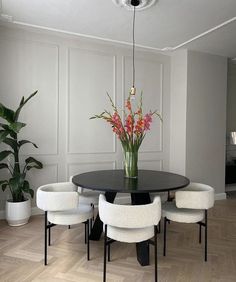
(203, 25)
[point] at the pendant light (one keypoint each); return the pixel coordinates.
(134, 3)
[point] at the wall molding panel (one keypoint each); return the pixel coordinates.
(146, 72)
(89, 166)
(89, 65)
(29, 65)
(73, 76)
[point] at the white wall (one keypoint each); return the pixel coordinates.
(206, 119)
(178, 112)
(198, 146)
(72, 77)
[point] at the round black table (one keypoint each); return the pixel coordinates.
(113, 181)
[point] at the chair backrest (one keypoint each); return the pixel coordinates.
(133, 216)
(195, 196)
(79, 189)
(57, 197)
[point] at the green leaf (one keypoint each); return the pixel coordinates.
(22, 103)
(4, 184)
(3, 134)
(33, 163)
(31, 192)
(22, 100)
(3, 165)
(16, 126)
(11, 142)
(22, 142)
(6, 113)
(26, 188)
(16, 182)
(5, 154)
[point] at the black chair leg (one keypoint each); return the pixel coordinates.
(200, 233)
(109, 252)
(91, 225)
(49, 236)
(87, 233)
(105, 254)
(155, 250)
(159, 227)
(205, 235)
(164, 249)
(45, 237)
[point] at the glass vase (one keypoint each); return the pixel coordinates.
(131, 164)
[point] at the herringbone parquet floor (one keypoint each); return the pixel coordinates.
(21, 253)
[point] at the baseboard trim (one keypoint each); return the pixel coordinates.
(220, 196)
(120, 200)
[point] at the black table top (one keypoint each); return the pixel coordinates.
(114, 181)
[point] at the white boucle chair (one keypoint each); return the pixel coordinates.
(190, 206)
(130, 224)
(60, 201)
(87, 196)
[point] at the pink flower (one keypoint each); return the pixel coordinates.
(147, 121)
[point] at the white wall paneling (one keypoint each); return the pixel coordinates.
(73, 76)
(75, 168)
(151, 164)
(149, 80)
(27, 66)
(92, 74)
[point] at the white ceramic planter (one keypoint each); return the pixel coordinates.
(18, 213)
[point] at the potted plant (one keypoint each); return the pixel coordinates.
(18, 209)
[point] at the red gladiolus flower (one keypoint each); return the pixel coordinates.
(132, 131)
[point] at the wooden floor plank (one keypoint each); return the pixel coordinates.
(21, 253)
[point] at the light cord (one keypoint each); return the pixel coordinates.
(133, 47)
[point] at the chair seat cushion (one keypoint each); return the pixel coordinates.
(171, 212)
(70, 217)
(130, 235)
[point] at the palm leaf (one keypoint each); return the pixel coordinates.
(16, 126)
(6, 113)
(3, 165)
(5, 154)
(22, 103)
(11, 142)
(33, 163)
(22, 142)
(3, 134)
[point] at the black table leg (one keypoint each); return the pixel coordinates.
(142, 248)
(96, 231)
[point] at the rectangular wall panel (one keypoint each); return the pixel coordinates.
(73, 77)
(27, 66)
(148, 79)
(77, 168)
(91, 76)
(151, 164)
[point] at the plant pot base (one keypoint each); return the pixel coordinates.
(17, 222)
(18, 213)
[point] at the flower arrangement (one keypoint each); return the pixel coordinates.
(132, 132)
